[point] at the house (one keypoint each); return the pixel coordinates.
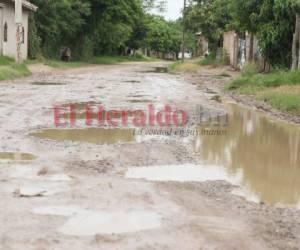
(8, 40)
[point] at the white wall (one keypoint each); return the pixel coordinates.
(9, 47)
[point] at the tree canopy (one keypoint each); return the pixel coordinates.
(95, 27)
(272, 21)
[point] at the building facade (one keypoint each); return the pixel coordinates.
(8, 40)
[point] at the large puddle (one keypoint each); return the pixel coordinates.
(84, 222)
(256, 153)
(266, 152)
(89, 135)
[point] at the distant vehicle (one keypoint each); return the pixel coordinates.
(187, 55)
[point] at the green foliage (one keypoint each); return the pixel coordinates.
(34, 40)
(210, 17)
(272, 22)
(99, 27)
(60, 23)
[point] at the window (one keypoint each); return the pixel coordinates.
(23, 35)
(5, 32)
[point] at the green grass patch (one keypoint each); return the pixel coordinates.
(285, 102)
(55, 63)
(279, 88)
(62, 64)
(118, 59)
(4, 60)
(251, 78)
(209, 61)
(13, 71)
(187, 66)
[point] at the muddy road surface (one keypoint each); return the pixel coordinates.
(74, 177)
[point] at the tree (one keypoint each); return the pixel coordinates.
(211, 17)
(59, 22)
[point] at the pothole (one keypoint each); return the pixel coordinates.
(156, 70)
(47, 83)
(83, 222)
(16, 156)
(139, 101)
(133, 81)
(89, 135)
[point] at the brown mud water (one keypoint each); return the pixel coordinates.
(15, 156)
(264, 152)
(89, 135)
(246, 149)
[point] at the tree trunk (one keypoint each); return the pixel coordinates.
(294, 50)
(251, 49)
(298, 21)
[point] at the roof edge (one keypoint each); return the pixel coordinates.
(28, 5)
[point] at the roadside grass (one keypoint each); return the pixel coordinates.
(187, 66)
(55, 63)
(10, 70)
(285, 102)
(280, 89)
(4, 60)
(118, 59)
(62, 64)
(209, 61)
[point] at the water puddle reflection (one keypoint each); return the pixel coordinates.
(266, 152)
(89, 135)
(259, 155)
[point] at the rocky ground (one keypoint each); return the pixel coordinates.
(75, 195)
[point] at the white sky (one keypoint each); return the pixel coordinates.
(174, 8)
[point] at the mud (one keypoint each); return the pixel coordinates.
(16, 156)
(47, 83)
(75, 195)
(89, 135)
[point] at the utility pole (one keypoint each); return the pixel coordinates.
(183, 31)
(18, 22)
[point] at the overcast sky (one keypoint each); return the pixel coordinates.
(173, 9)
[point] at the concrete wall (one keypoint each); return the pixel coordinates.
(202, 45)
(230, 45)
(9, 48)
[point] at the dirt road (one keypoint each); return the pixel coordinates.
(79, 188)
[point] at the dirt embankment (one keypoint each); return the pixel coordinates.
(227, 74)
